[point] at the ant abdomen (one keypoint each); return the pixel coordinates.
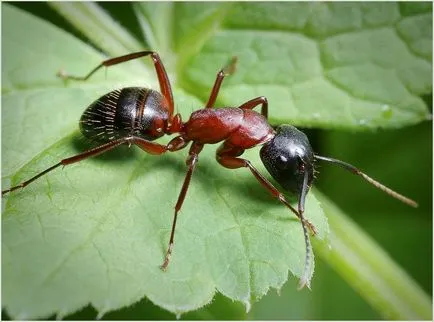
(131, 111)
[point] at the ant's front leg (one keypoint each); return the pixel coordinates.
(228, 157)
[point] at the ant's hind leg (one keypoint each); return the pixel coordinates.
(93, 152)
(150, 147)
(163, 79)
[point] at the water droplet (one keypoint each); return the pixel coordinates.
(386, 111)
(316, 115)
(363, 122)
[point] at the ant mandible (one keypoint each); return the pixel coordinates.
(138, 116)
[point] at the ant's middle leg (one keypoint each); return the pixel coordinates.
(193, 158)
(163, 79)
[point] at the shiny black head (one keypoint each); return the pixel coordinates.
(289, 159)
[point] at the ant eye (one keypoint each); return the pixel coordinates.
(301, 167)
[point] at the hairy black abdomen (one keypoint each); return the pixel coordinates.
(121, 113)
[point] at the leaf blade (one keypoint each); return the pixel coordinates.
(98, 26)
(251, 285)
(370, 270)
(348, 66)
(111, 240)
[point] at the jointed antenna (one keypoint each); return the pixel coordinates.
(375, 183)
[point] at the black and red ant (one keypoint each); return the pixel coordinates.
(136, 115)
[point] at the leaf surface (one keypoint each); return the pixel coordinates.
(96, 232)
(331, 65)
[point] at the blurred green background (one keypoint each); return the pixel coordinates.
(401, 158)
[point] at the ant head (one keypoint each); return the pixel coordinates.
(289, 158)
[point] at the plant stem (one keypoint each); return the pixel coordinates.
(97, 25)
(370, 270)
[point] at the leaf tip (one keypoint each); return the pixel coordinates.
(61, 315)
(278, 291)
(101, 314)
(22, 316)
(247, 305)
(302, 283)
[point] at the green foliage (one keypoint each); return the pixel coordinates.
(96, 232)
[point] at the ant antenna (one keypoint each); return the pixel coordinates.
(305, 277)
(375, 183)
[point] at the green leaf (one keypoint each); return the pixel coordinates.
(97, 231)
(370, 270)
(90, 19)
(340, 65)
(222, 308)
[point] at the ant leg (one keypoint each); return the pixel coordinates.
(150, 147)
(250, 105)
(175, 144)
(227, 70)
(76, 158)
(163, 79)
(193, 157)
(226, 157)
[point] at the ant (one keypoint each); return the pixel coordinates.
(136, 115)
